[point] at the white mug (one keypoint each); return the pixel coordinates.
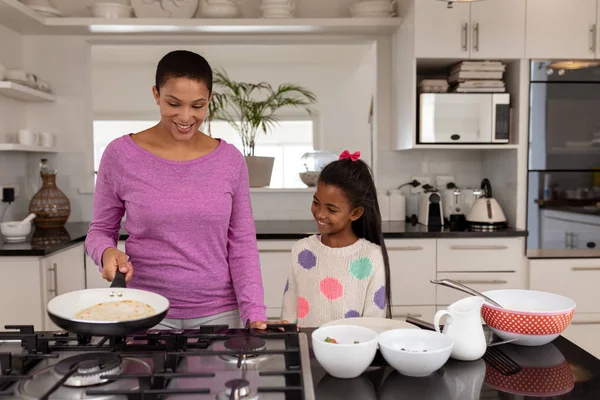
(46, 139)
(27, 137)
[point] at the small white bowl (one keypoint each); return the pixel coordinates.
(15, 230)
(415, 353)
(346, 359)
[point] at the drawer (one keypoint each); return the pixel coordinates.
(584, 332)
(412, 266)
(421, 312)
(480, 281)
(574, 278)
(488, 254)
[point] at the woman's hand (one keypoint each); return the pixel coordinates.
(263, 324)
(113, 259)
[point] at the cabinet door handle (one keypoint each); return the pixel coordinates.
(593, 38)
(476, 36)
(483, 282)
(409, 248)
(496, 247)
(407, 315)
(577, 269)
(465, 36)
(54, 278)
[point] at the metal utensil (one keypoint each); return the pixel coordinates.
(459, 286)
(489, 337)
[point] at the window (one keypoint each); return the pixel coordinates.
(288, 141)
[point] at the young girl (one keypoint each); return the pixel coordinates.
(344, 271)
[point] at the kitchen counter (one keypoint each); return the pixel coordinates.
(44, 242)
(558, 370)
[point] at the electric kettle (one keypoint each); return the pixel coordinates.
(486, 214)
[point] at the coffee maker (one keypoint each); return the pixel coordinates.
(430, 208)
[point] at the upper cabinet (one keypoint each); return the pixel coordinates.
(488, 29)
(562, 29)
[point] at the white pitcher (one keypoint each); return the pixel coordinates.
(463, 325)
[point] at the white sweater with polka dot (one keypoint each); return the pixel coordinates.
(326, 284)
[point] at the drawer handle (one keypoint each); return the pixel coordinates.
(55, 279)
(483, 282)
(586, 268)
(406, 248)
(495, 247)
(585, 323)
(407, 315)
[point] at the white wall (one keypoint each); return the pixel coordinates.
(12, 118)
(71, 117)
(122, 78)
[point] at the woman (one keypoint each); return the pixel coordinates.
(191, 230)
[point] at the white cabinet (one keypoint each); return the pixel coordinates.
(62, 272)
(576, 279)
(412, 267)
(21, 287)
(275, 259)
(441, 32)
(30, 282)
(481, 263)
(488, 29)
(562, 29)
(498, 29)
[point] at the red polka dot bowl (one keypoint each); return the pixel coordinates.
(531, 317)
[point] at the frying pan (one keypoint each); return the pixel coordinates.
(63, 308)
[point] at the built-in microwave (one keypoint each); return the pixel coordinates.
(463, 118)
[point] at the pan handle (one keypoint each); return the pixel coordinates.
(119, 281)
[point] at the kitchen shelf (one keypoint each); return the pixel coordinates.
(18, 17)
(29, 149)
(23, 93)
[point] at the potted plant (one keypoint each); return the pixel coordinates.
(250, 108)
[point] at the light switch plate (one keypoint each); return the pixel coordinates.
(423, 180)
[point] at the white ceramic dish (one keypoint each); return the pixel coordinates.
(345, 359)
(415, 353)
(15, 230)
(379, 325)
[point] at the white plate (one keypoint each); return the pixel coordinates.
(379, 325)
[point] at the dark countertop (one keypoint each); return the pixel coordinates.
(560, 369)
(44, 242)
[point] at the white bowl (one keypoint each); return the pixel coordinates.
(15, 230)
(346, 359)
(415, 353)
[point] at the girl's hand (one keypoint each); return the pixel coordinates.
(113, 259)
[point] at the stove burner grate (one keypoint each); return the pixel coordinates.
(90, 368)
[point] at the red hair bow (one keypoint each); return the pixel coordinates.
(346, 154)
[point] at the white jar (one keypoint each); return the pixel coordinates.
(384, 205)
(397, 205)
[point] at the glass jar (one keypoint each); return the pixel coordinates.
(311, 165)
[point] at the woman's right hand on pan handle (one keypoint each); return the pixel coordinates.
(111, 260)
